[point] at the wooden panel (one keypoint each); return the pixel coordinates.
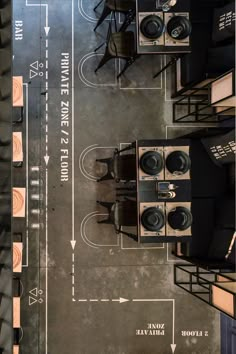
(225, 111)
(16, 312)
(222, 276)
(222, 88)
(222, 299)
(228, 102)
(19, 202)
(16, 349)
(17, 89)
(17, 147)
(17, 257)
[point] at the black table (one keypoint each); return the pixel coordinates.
(146, 191)
(149, 6)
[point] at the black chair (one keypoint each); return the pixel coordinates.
(119, 45)
(5, 88)
(5, 61)
(119, 167)
(5, 111)
(5, 133)
(5, 38)
(5, 14)
(5, 154)
(126, 7)
(121, 214)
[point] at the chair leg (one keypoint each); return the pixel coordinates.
(95, 50)
(105, 13)
(128, 63)
(129, 17)
(105, 221)
(106, 205)
(95, 8)
(107, 177)
(104, 60)
(104, 160)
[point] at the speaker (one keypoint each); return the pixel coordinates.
(177, 163)
(151, 163)
(179, 219)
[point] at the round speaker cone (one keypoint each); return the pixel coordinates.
(179, 27)
(178, 162)
(153, 219)
(180, 218)
(151, 163)
(152, 26)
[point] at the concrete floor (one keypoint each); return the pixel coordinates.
(67, 302)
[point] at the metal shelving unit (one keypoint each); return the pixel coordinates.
(216, 288)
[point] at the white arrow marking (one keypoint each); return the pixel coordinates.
(34, 292)
(173, 345)
(46, 159)
(46, 28)
(32, 301)
(32, 74)
(121, 300)
(73, 243)
(35, 65)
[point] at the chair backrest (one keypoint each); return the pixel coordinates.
(126, 213)
(125, 167)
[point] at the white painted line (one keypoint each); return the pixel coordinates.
(46, 53)
(35, 211)
(46, 139)
(46, 66)
(82, 300)
(83, 231)
(35, 182)
(93, 300)
(46, 259)
(34, 168)
(46, 128)
(82, 157)
(35, 197)
(73, 122)
(46, 96)
(46, 75)
(104, 300)
(84, 79)
(138, 88)
(46, 44)
(35, 226)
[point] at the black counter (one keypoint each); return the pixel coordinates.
(182, 6)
